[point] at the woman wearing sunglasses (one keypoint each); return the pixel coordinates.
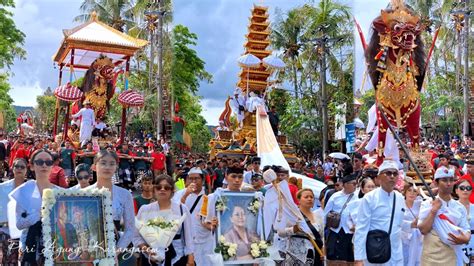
(105, 165)
(180, 252)
(83, 175)
(463, 190)
(28, 199)
(10, 256)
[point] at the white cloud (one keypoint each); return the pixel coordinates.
(25, 95)
(212, 109)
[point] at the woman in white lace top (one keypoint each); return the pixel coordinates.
(105, 165)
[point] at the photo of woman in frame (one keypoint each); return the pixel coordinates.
(238, 225)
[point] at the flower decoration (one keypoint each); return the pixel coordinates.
(162, 223)
(228, 250)
(254, 206)
(259, 249)
(221, 204)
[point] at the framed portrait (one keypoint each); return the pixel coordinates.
(78, 227)
(239, 225)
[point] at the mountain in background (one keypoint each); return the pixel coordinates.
(21, 109)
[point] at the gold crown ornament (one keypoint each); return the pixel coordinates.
(399, 13)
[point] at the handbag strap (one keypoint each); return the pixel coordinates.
(194, 204)
(347, 201)
(316, 234)
(393, 212)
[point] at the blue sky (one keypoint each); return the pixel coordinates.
(219, 24)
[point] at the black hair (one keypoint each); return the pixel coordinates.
(83, 167)
(103, 153)
(35, 154)
(157, 180)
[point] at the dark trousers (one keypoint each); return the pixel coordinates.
(339, 246)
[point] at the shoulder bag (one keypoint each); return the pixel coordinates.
(378, 246)
(333, 218)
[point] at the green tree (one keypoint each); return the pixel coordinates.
(298, 35)
(11, 39)
(187, 71)
(6, 104)
(45, 110)
(116, 13)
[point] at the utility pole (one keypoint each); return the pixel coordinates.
(324, 103)
(466, 91)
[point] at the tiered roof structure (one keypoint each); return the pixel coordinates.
(243, 141)
(257, 43)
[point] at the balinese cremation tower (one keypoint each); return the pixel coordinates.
(240, 140)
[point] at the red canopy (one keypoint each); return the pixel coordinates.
(131, 98)
(68, 93)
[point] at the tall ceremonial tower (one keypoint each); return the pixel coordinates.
(240, 142)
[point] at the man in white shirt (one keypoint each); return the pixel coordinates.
(375, 212)
(100, 129)
(255, 170)
(192, 197)
(339, 240)
(436, 248)
(87, 122)
(238, 105)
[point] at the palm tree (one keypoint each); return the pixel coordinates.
(287, 35)
(119, 14)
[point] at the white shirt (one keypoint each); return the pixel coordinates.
(201, 234)
(5, 189)
(248, 176)
(101, 126)
(87, 115)
(148, 211)
(122, 210)
(335, 203)
(457, 214)
(352, 210)
(28, 207)
(446, 206)
(375, 212)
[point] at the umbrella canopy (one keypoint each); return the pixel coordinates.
(339, 155)
(68, 93)
(273, 61)
(131, 98)
(249, 60)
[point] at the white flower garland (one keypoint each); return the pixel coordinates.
(254, 205)
(221, 204)
(259, 249)
(49, 200)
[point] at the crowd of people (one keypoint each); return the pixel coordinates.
(340, 225)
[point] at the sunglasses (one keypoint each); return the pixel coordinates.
(20, 167)
(465, 188)
(82, 177)
(166, 187)
(391, 173)
(41, 162)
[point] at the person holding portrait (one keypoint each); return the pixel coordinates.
(28, 199)
(105, 165)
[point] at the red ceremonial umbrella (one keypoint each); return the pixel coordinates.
(128, 98)
(67, 93)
